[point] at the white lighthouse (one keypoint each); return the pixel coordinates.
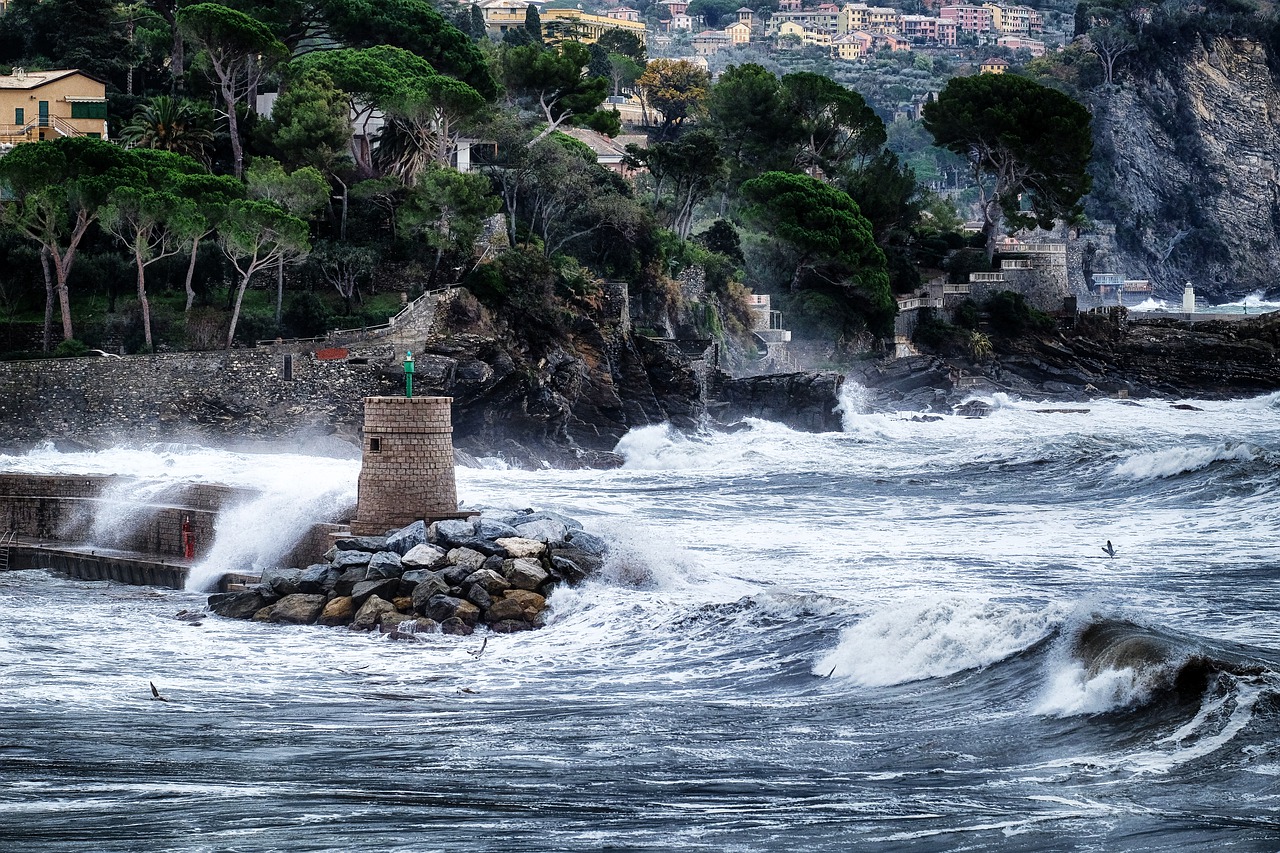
(1188, 299)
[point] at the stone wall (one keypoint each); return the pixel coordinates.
(250, 393)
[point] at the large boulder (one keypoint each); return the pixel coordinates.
(283, 581)
(385, 588)
(517, 604)
(466, 557)
(317, 578)
(543, 530)
(449, 531)
(485, 546)
(385, 564)
(406, 539)
(339, 611)
(487, 528)
(428, 588)
(371, 612)
(372, 544)
(543, 515)
(445, 607)
(520, 547)
(349, 578)
(349, 559)
(487, 578)
(425, 556)
(298, 609)
(524, 574)
(588, 542)
(238, 605)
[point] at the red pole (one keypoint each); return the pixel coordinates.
(188, 540)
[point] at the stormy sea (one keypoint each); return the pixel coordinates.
(902, 636)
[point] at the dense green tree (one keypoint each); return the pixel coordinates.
(447, 210)
(623, 71)
(57, 189)
(344, 266)
(552, 82)
(676, 87)
(212, 196)
(153, 219)
(834, 125)
(368, 78)
(1028, 146)
(237, 48)
(685, 171)
(747, 112)
(64, 34)
(831, 242)
(624, 42)
(427, 115)
(173, 124)
(311, 122)
(533, 25)
(301, 193)
(255, 235)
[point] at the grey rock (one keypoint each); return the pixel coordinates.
(237, 605)
(406, 539)
(525, 574)
(372, 544)
(509, 626)
(564, 569)
(466, 557)
(385, 564)
(425, 556)
(298, 609)
(588, 542)
(589, 563)
(457, 627)
(444, 607)
(386, 588)
(427, 589)
(489, 529)
(485, 546)
(478, 596)
(347, 559)
(339, 611)
(450, 530)
(490, 580)
(283, 581)
(543, 530)
(319, 577)
(493, 563)
(454, 575)
(348, 579)
(371, 612)
(544, 515)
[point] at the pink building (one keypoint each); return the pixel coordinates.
(969, 19)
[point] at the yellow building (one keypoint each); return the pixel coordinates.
(559, 24)
(738, 32)
(993, 66)
(47, 104)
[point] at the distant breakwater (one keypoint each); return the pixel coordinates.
(450, 576)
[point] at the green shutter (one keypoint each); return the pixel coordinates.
(90, 110)
(19, 116)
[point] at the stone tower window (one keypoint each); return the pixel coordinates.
(375, 445)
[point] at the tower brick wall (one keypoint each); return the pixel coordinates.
(407, 469)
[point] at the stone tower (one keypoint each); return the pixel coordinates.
(407, 470)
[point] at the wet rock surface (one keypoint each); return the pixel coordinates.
(437, 585)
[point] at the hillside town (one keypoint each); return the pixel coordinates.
(851, 32)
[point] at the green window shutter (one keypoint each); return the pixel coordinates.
(19, 116)
(91, 110)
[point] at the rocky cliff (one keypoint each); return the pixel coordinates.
(1187, 166)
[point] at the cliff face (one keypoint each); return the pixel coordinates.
(1187, 166)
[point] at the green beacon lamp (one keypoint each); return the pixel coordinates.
(408, 374)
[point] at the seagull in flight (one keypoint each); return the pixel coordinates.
(155, 694)
(104, 353)
(1110, 551)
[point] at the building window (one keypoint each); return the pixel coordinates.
(19, 116)
(96, 109)
(375, 445)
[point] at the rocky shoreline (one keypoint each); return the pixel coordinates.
(449, 577)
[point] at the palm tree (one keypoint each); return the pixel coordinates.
(170, 124)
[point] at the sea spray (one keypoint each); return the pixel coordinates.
(1162, 464)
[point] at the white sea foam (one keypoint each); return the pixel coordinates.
(1152, 304)
(854, 399)
(1159, 464)
(1071, 690)
(928, 640)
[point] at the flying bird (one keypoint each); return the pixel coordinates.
(104, 353)
(155, 694)
(476, 654)
(1110, 551)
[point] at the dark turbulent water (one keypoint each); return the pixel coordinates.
(901, 637)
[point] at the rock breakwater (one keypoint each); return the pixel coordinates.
(452, 576)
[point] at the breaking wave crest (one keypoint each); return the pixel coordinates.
(1162, 464)
(930, 640)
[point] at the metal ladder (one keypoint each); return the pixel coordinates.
(7, 541)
